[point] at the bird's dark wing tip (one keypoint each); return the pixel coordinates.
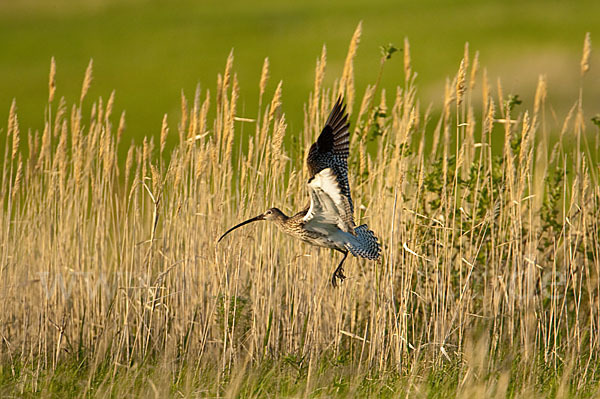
(333, 142)
(325, 140)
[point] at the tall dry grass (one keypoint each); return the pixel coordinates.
(489, 277)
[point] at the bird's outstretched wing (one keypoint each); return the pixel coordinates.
(332, 148)
(329, 208)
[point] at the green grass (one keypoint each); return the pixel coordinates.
(332, 377)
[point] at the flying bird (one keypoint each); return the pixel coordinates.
(328, 220)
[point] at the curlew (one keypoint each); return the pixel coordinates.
(328, 220)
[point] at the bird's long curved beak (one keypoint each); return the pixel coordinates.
(254, 219)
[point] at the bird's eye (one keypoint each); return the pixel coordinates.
(269, 212)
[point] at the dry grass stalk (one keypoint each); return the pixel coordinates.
(61, 110)
(44, 146)
(540, 96)
(485, 89)
(202, 126)
(156, 181)
(98, 107)
(145, 157)
(121, 127)
(501, 98)
(109, 106)
(474, 71)
(276, 144)
(346, 87)
(227, 75)
(407, 63)
(470, 136)
(229, 120)
(164, 131)
(508, 154)
(193, 125)
(316, 95)
(525, 137)
(87, 81)
(18, 178)
(264, 78)
(362, 158)
(52, 80)
(128, 163)
(448, 98)
(366, 101)
(13, 128)
(60, 160)
(460, 82)
(587, 50)
(274, 107)
(489, 118)
(183, 124)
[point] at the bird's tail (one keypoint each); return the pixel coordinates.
(364, 244)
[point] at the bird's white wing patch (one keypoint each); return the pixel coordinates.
(329, 208)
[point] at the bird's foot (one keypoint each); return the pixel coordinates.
(338, 274)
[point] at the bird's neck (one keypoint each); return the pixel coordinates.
(282, 221)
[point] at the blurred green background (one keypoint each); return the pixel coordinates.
(148, 51)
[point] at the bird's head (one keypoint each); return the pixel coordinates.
(271, 214)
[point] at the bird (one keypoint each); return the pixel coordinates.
(327, 221)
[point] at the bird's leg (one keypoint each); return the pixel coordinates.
(339, 271)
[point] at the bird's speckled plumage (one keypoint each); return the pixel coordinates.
(328, 221)
(332, 148)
